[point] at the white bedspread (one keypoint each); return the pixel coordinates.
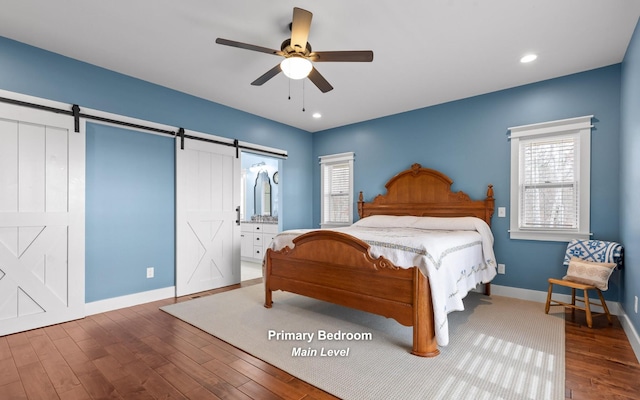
(455, 253)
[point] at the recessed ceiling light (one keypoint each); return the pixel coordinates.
(317, 115)
(528, 58)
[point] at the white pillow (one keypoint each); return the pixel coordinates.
(449, 223)
(386, 221)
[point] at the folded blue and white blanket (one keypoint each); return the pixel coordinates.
(595, 250)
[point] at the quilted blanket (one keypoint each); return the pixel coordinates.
(595, 250)
(455, 253)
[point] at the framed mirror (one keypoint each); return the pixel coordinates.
(262, 194)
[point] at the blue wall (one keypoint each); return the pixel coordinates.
(130, 176)
(630, 175)
(130, 211)
(467, 140)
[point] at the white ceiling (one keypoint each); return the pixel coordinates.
(426, 52)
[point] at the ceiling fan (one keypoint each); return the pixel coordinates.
(298, 56)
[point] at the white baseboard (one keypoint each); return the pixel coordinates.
(517, 293)
(100, 306)
(632, 334)
(541, 297)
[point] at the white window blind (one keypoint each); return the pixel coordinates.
(549, 189)
(550, 166)
(337, 189)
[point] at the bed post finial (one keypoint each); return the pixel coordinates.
(490, 204)
(415, 168)
(360, 204)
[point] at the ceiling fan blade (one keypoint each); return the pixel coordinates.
(319, 81)
(300, 26)
(246, 46)
(350, 56)
(267, 75)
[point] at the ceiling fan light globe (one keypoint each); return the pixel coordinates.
(296, 67)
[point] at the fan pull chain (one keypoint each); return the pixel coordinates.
(289, 88)
(303, 110)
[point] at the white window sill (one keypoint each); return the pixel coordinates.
(550, 236)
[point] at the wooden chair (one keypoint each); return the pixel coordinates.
(590, 263)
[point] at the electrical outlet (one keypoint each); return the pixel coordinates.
(501, 268)
(635, 306)
(150, 272)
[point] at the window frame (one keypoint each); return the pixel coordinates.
(326, 161)
(579, 127)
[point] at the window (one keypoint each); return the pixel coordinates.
(337, 190)
(550, 180)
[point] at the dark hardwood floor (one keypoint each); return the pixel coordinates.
(599, 362)
(143, 353)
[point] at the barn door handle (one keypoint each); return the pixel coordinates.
(238, 215)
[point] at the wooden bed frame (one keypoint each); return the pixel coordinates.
(338, 268)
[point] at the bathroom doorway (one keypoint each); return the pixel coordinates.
(261, 199)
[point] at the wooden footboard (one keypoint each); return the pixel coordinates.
(338, 268)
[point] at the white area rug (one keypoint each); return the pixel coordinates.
(500, 348)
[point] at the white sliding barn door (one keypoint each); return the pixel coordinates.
(42, 175)
(207, 235)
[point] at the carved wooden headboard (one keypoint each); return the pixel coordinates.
(426, 192)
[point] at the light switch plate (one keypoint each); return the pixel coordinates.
(502, 212)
